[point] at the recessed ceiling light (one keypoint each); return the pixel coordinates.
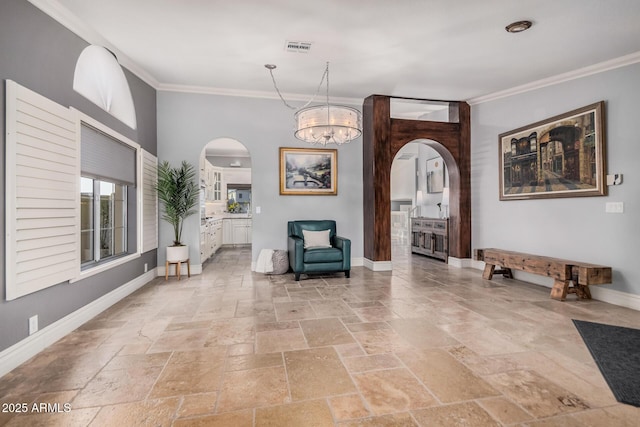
(518, 27)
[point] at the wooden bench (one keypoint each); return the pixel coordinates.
(564, 272)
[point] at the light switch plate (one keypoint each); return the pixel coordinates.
(614, 207)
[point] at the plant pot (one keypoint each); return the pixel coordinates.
(177, 253)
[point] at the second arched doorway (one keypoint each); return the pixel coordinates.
(383, 137)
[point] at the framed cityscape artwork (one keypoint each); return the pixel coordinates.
(308, 171)
(563, 156)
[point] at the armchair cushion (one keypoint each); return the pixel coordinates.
(316, 239)
(318, 255)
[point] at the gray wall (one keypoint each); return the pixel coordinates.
(187, 122)
(40, 54)
(571, 228)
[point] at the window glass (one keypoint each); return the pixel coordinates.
(109, 211)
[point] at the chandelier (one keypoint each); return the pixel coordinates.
(325, 123)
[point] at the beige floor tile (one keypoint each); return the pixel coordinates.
(504, 410)
(316, 373)
(449, 380)
(159, 413)
(331, 308)
(394, 420)
(313, 413)
(280, 340)
(229, 419)
(253, 388)
(323, 332)
(467, 414)
(117, 386)
(537, 395)
(254, 361)
(190, 373)
(198, 404)
(76, 417)
(392, 390)
(348, 407)
(422, 334)
(372, 362)
(295, 310)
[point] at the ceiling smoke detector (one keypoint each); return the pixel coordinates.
(518, 27)
(300, 47)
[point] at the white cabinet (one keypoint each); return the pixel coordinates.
(210, 238)
(227, 231)
(236, 231)
(211, 178)
(216, 183)
(218, 237)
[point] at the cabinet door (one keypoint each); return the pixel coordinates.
(227, 231)
(239, 232)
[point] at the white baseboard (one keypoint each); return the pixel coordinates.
(357, 262)
(20, 352)
(614, 297)
(459, 262)
(377, 265)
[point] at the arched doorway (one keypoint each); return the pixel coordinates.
(383, 136)
(225, 196)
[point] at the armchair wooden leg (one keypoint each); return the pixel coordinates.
(347, 274)
(297, 276)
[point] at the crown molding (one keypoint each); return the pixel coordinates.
(600, 67)
(206, 90)
(71, 22)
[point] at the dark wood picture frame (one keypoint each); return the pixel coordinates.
(563, 156)
(308, 171)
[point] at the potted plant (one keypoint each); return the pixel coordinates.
(179, 194)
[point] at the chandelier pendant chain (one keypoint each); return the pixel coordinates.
(275, 85)
(330, 130)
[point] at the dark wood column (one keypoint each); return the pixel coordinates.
(376, 122)
(382, 138)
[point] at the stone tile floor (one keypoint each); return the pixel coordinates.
(424, 345)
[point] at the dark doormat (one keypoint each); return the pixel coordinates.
(616, 350)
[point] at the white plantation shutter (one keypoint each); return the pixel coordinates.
(149, 201)
(41, 193)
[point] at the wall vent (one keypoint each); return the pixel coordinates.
(405, 156)
(301, 47)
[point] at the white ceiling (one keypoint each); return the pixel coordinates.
(433, 49)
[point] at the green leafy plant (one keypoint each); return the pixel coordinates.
(179, 194)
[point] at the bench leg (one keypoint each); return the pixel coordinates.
(582, 291)
(560, 289)
(488, 271)
(506, 272)
(166, 271)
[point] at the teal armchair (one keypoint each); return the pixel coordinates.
(325, 251)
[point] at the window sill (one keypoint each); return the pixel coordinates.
(104, 267)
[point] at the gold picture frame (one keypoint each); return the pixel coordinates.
(308, 171)
(563, 156)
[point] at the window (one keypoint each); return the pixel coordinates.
(107, 214)
(109, 211)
